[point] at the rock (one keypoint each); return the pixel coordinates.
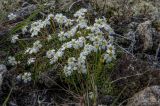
(25, 11)
(150, 96)
(11, 103)
(48, 78)
(144, 31)
(107, 100)
(158, 53)
(3, 70)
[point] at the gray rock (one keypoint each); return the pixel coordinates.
(48, 78)
(144, 31)
(158, 53)
(12, 104)
(25, 11)
(107, 100)
(150, 96)
(3, 70)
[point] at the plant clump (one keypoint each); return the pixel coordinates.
(82, 48)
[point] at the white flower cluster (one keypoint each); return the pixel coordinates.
(110, 53)
(72, 66)
(98, 40)
(82, 22)
(97, 37)
(36, 47)
(38, 25)
(12, 61)
(65, 35)
(60, 18)
(24, 29)
(12, 16)
(31, 60)
(79, 64)
(80, 13)
(50, 53)
(26, 77)
(88, 49)
(99, 24)
(76, 44)
(14, 38)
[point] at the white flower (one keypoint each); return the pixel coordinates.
(12, 16)
(69, 22)
(49, 37)
(67, 71)
(64, 35)
(54, 59)
(61, 36)
(107, 58)
(50, 53)
(110, 47)
(60, 18)
(14, 38)
(47, 20)
(26, 77)
(31, 60)
(59, 53)
(80, 12)
(12, 61)
(108, 29)
(72, 66)
(24, 29)
(36, 47)
(82, 22)
(82, 59)
(19, 77)
(37, 44)
(36, 27)
(110, 53)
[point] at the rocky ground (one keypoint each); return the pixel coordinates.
(136, 75)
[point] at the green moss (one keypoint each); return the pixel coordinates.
(156, 24)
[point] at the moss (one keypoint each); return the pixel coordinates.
(156, 24)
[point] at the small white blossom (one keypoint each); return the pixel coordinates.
(12, 16)
(47, 20)
(61, 36)
(82, 59)
(24, 30)
(14, 38)
(49, 37)
(36, 47)
(36, 27)
(26, 77)
(19, 77)
(69, 22)
(31, 60)
(82, 22)
(80, 12)
(12, 61)
(110, 53)
(60, 18)
(50, 53)
(72, 66)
